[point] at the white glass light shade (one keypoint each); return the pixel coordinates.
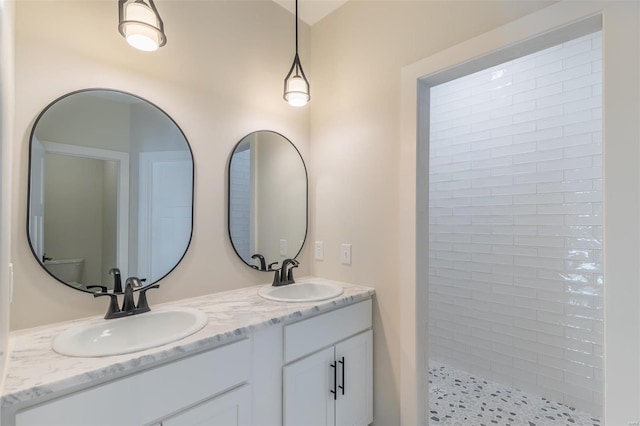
(144, 37)
(296, 91)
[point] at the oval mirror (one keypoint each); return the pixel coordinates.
(110, 186)
(267, 200)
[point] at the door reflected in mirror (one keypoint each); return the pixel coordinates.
(267, 198)
(110, 186)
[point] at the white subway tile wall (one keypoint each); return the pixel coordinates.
(515, 272)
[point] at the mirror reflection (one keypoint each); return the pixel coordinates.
(267, 200)
(110, 186)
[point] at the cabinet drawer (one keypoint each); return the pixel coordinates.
(232, 408)
(140, 398)
(315, 333)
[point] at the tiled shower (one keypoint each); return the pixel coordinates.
(515, 211)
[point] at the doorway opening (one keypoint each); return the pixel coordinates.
(514, 235)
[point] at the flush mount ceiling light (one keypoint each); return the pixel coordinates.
(140, 24)
(296, 85)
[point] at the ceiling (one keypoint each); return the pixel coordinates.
(311, 11)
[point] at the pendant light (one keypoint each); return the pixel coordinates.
(296, 85)
(140, 24)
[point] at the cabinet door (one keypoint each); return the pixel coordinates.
(308, 383)
(151, 394)
(354, 406)
(232, 408)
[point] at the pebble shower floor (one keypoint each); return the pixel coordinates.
(457, 398)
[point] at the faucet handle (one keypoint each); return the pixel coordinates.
(114, 309)
(270, 266)
(143, 305)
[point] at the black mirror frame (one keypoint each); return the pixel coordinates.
(306, 175)
(31, 135)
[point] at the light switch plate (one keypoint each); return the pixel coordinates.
(345, 254)
(283, 247)
(319, 250)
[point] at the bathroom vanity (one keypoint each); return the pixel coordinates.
(256, 362)
(268, 358)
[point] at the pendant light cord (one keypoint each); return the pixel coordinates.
(296, 27)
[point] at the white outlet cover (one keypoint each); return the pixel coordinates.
(345, 254)
(319, 250)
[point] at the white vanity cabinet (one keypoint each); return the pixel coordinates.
(232, 408)
(329, 380)
(279, 368)
(208, 388)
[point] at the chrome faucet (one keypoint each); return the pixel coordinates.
(128, 305)
(284, 276)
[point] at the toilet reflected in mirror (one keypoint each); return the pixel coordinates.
(67, 270)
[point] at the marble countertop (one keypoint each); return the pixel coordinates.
(34, 370)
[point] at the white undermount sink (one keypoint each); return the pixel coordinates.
(301, 292)
(129, 334)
